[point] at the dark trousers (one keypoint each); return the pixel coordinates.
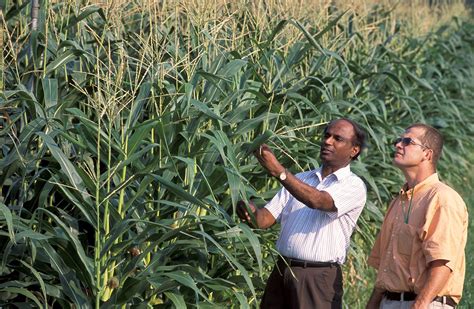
(300, 287)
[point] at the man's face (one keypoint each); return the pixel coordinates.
(337, 146)
(412, 153)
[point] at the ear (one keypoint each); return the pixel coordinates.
(428, 154)
(355, 150)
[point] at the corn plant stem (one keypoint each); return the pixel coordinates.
(108, 274)
(34, 14)
(100, 282)
(65, 35)
(152, 139)
(176, 42)
(34, 27)
(98, 243)
(2, 61)
(45, 53)
(160, 148)
(111, 269)
(124, 178)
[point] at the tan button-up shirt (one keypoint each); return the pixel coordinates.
(436, 230)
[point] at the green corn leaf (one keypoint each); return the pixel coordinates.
(84, 205)
(179, 191)
(84, 262)
(66, 166)
(37, 275)
(255, 243)
(313, 41)
(248, 148)
(331, 24)
(62, 59)
(420, 81)
(244, 303)
(232, 68)
(185, 279)
(23, 292)
(86, 12)
(69, 282)
(8, 218)
(207, 111)
(130, 288)
(30, 234)
(177, 299)
(50, 91)
(279, 27)
(140, 132)
(138, 105)
(231, 259)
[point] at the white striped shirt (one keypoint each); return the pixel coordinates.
(312, 234)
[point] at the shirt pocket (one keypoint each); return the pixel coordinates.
(406, 238)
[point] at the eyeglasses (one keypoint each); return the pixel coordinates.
(408, 141)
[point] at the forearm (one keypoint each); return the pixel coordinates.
(308, 195)
(303, 192)
(375, 298)
(257, 218)
(438, 275)
(263, 218)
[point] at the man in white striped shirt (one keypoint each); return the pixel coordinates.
(318, 211)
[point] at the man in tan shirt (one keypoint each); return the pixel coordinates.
(419, 252)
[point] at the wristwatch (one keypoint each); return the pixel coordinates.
(282, 175)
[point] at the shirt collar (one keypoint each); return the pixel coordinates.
(430, 180)
(339, 174)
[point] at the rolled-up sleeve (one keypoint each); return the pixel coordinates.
(277, 203)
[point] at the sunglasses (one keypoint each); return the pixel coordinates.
(407, 141)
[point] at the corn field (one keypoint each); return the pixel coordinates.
(125, 129)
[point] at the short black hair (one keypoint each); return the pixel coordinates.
(359, 134)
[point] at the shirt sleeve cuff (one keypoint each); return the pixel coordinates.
(435, 257)
(273, 211)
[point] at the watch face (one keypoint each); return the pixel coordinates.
(283, 176)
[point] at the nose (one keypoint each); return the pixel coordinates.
(328, 140)
(398, 145)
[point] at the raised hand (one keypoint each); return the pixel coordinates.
(268, 160)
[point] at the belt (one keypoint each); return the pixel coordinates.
(302, 263)
(407, 296)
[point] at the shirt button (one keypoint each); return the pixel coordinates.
(385, 270)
